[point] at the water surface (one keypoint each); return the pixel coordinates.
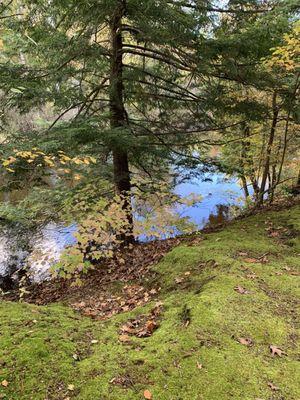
(42, 248)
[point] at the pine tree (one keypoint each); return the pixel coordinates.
(141, 82)
(120, 66)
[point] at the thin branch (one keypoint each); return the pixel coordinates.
(156, 57)
(168, 81)
(10, 16)
(156, 52)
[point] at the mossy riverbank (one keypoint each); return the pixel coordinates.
(225, 298)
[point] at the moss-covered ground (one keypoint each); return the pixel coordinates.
(51, 352)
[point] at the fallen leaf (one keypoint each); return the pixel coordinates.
(94, 341)
(276, 351)
(251, 260)
(241, 290)
(71, 387)
(4, 383)
(274, 234)
(251, 276)
(147, 395)
(124, 338)
(273, 387)
(79, 305)
(245, 341)
(187, 323)
(199, 366)
(151, 326)
(127, 329)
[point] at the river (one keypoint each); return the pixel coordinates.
(43, 247)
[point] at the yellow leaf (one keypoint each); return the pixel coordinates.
(9, 161)
(49, 162)
(65, 158)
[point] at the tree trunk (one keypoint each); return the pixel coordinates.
(255, 186)
(269, 150)
(118, 118)
(245, 187)
(248, 164)
(243, 178)
(286, 131)
(272, 187)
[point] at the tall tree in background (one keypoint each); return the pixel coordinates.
(261, 100)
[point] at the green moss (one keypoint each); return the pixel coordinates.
(37, 344)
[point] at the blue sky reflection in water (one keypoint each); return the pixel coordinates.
(217, 193)
(216, 190)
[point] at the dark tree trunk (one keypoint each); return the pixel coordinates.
(118, 117)
(255, 187)
(266, 169)
(245, 187)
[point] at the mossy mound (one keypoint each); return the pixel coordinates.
(227, 297)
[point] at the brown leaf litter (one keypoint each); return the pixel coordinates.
(142, 326)
(111, 288)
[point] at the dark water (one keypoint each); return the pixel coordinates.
(40, 249)
(36, 251)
